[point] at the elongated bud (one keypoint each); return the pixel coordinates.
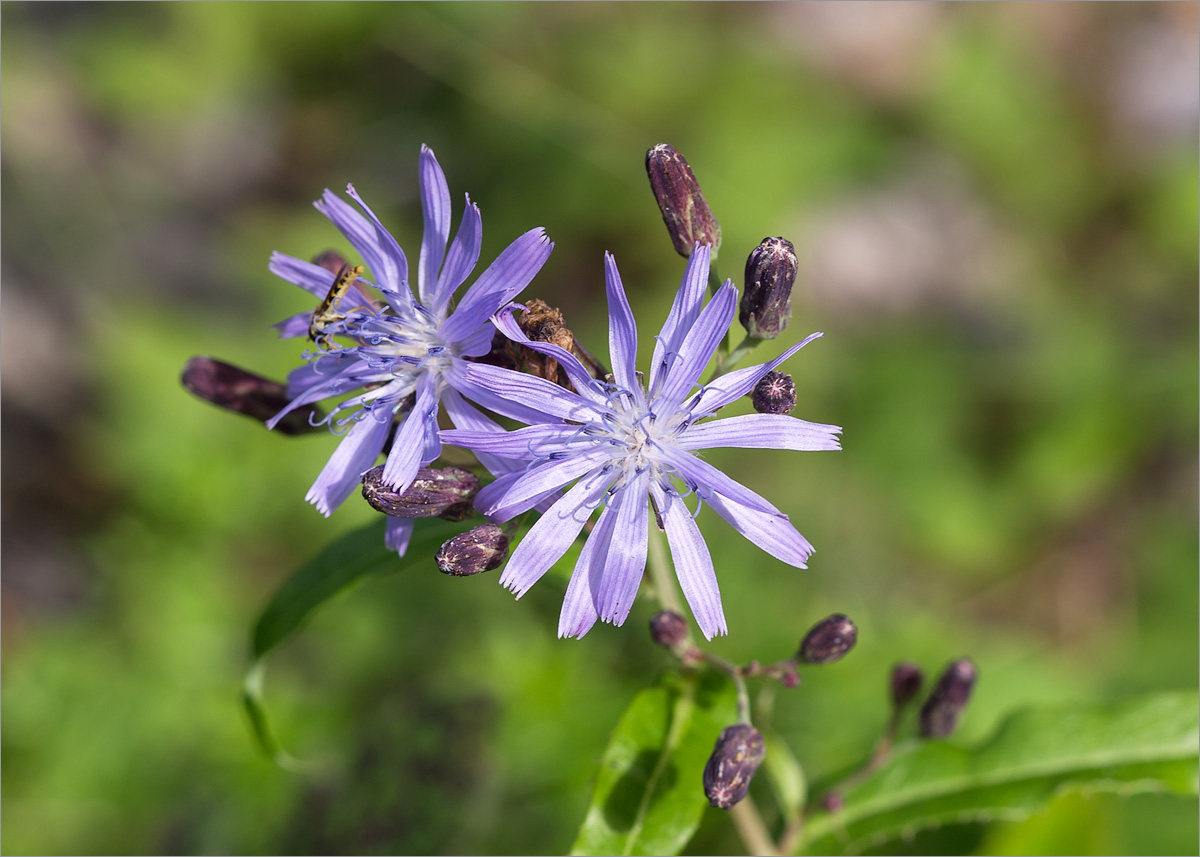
(683, 208)
(774, 394)
(766, 305)
(829, 640)
(940, 713)
(738, 753)
(907, 679)
(668, 628)
(245, 393)
(473, 552)
(444, 492)
(332, 261)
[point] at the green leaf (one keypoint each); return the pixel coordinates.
(345, 562)
(1149, 744)
(783, 772)
(649, 790)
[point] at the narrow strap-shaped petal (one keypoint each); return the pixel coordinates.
(315, 280)
(549, 538)
(294, 325)
(693, 563)
(460, 258)
(321, 370)
(435, 206)
(684, 311)
(579, 612)
(521, 493)
(354, 455)
(468, 418)
(581, 378)
(408, 448)
(704, 479)
(696, 349)
(363, 235)
(617, 587)
(522, 397)
(773, 533)
(398, 533)
(394, 281)
(761, 431)
(729, 388)
(500, 283)
(524, 444)
(622, 329)
(350, 378)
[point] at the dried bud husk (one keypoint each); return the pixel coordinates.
(766, 305)
(738, 753)
(907, 679)
(774, 394)
(940, 713)
(829, 640)
(444, 492)
(683, 208)
(668, 629)
(544, 323)
(248, 394)
(473, 552)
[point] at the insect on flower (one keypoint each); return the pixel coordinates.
(325, 314)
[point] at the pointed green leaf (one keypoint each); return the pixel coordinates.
(1149, 744)
(649, 793)
(345, 562)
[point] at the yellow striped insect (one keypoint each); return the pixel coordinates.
(324, 313)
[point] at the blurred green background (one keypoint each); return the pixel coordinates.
(995, 207)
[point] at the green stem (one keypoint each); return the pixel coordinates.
(660, 574)
(726, 360)
(751, 828)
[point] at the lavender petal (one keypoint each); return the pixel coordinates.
(761, 431)
(626, 561)
(397, 533)
(461, 258)
(731, 387)
(404, 459)
(534, 484)
(353, 456)
(684, 311)
(697, 347)
(500, 283)
(622, 329)
(435, 206)
(549, 538)
(693, 563)
(579, 612)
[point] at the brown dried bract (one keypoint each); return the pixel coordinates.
(544, 323)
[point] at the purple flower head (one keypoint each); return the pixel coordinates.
(405, 351)
(623, 443)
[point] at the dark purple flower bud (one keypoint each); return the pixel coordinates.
(774, 394)
(829, 640)
(683, 208)
(766, 306)
(668, 628)
(332, 261)
(245, 393)
(940, 713)
(481, 549)
(444, 492)
(738, 753)
(789, 677)
(907, 679)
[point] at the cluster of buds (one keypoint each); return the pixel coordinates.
(740, 750)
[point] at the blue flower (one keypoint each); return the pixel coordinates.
(623, 443)
(405, 353)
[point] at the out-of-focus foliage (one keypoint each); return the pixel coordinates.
(995, 208)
